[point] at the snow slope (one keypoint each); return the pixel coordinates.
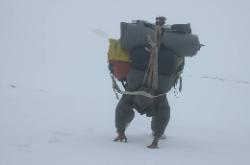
(39, 127)
(56, 101)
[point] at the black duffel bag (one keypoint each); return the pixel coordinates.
(167, 62)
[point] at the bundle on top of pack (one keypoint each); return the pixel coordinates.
(177, 38)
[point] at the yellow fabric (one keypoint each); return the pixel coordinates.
(116, 52)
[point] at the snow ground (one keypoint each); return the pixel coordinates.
(56, 101)
(39, 127)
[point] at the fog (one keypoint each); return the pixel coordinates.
(50, 44)
(51, 47)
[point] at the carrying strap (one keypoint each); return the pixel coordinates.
(142, 93)
(117, 90)
(151, 75)
(115, 87)
(178, 79)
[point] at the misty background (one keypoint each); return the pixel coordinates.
(51, 44)
(54, 76)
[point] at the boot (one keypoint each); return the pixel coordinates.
(154, 144)
(121, 137)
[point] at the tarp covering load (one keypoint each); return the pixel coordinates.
(116, 53)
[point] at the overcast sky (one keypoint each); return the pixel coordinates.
(50, 44)
(50, 52)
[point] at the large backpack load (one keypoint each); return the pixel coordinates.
(130, 55)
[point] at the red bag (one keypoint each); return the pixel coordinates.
(120, 69)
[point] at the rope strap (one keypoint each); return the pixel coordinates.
(151, 76)
(142, 93)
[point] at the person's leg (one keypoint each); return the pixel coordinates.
(160, 120)
(124, 114)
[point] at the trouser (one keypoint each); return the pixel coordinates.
(124, 114)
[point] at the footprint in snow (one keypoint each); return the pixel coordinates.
(21, 145)
(60, 133)
(55, 140)
(57, 136)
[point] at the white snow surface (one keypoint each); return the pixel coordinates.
(57, 104)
